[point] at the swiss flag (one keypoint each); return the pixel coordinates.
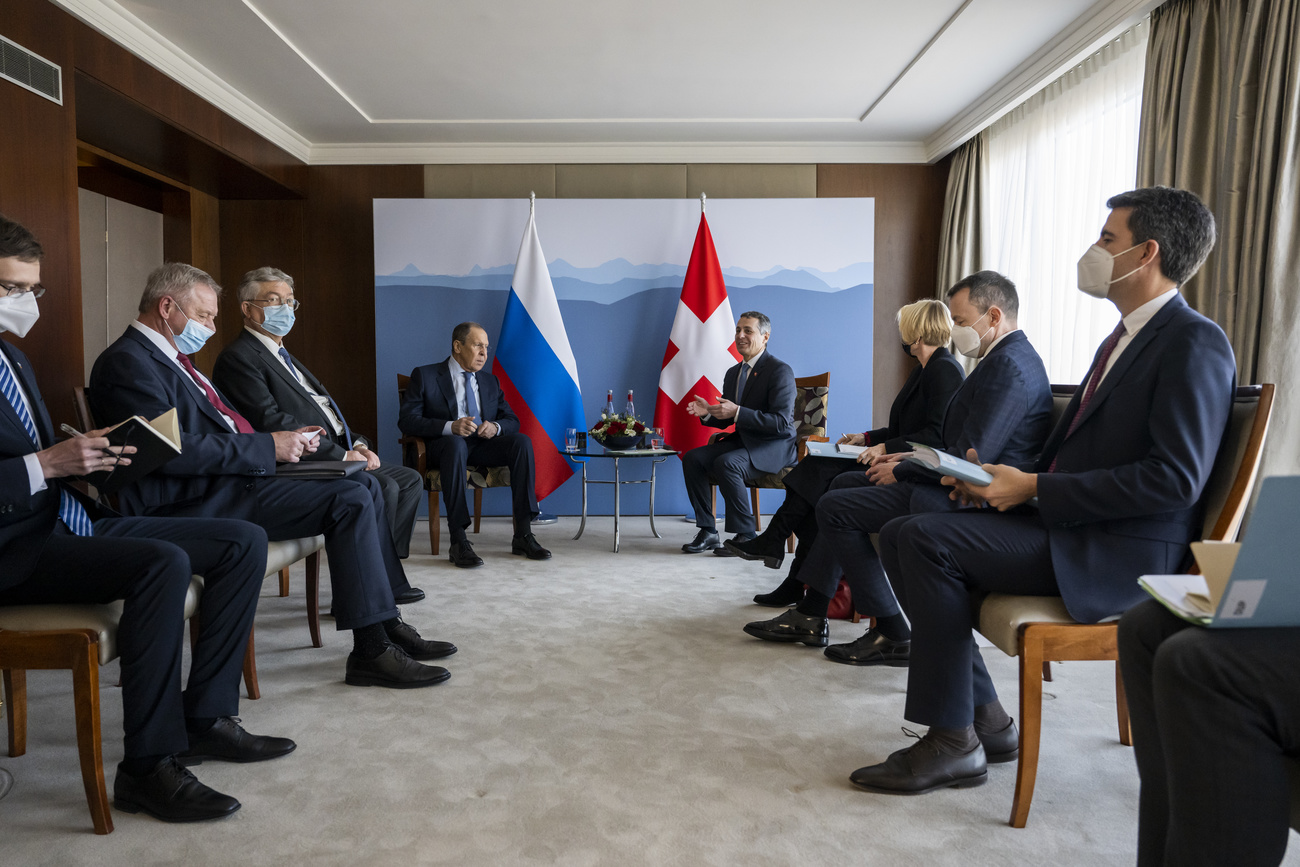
(701, 347)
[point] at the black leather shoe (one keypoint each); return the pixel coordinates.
(394, 669)
(782, 597)
(462, 554)
(227, 741)
(770, 551)
(171, 793)
(1001, 746)
(724, 551)
(921, 768)
(792, 626)
(872, 649)
(409, 595)
(405, 636)
(528, 545)
(705, 540)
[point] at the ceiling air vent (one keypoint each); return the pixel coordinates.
(31, 71)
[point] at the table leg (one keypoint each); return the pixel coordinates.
(616, 504)
(583, 525)
(652, 497)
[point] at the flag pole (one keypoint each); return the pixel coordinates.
(702, 198)
(532, 203)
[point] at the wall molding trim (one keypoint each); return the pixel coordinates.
(486, 153)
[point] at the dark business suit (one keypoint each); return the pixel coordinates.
(430, 404)
(1002, 410)
(220, 472)
(762, 442)
(1216, 720)
(147, 563)
(1124, 501)
(263, 390)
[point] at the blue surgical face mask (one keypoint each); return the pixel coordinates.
(192, 338)
(278, 320)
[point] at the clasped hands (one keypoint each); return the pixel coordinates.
(466, 426)
(1010, 487)
(723, 409)
(361, 453)
(291, 445)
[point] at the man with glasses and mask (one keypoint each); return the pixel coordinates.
(1115, 494)
(226, 468)
(462, 414)
(274, 391)
(56, 548)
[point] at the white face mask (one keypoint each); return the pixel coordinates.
(967, 339)
(1095, 268)
(18, 313)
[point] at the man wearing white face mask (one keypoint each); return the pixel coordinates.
(274, 391)
(226, 468)
(1117, 491)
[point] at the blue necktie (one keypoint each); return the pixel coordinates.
(70, 511)
(347, 432)
(471, 402)
(740, 381)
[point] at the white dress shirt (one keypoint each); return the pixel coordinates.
(1133, 323)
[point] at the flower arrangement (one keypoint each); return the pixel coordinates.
(618, 431)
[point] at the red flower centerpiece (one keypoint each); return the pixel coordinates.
(618, 432)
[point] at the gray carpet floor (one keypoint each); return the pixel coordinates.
(604, 708)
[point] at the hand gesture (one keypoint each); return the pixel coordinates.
(81, 455)
(465, 426)
(723, 409)
(361, 453)
(871, 455)
(311, 436)
(289, 445)
(852, 440)
(698, 407)
(487, 430)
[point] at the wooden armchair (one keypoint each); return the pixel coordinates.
(1039, 629)
(476, 478)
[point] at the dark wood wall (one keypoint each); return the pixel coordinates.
(235, 201)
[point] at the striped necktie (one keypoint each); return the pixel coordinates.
(70, 510)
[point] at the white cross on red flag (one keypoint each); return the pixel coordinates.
(701, 347)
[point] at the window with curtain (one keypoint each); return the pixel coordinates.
(1052, 163)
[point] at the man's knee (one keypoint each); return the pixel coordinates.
(850, 480)
(730, 465)
(831, 508)
(693, 462)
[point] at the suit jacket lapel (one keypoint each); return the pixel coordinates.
(42, 419)
(754, 374)
(187, 382)
(442, 374)
(273, 359)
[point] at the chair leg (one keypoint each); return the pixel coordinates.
(16, 700)
(478, 508)
(1031, 724)
(1121, 710)
(1047, 671)
(85, 691)
(284, 582)
(313, 598)
(713, 500)
(753, 498)
(435, 522)
(250, 667)
(789, 544)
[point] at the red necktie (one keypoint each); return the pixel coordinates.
(1098, 370)
(241, 423)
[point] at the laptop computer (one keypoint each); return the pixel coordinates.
(1252, 583)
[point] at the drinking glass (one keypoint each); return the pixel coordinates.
(571, 439)
(657, 438)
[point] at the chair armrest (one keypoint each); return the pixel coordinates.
(413, 454)
(801, 446)
(713, 438)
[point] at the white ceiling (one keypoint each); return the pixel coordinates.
(437, 81)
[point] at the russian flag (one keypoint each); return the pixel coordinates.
(535, 364)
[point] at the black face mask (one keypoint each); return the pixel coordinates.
(907, 349)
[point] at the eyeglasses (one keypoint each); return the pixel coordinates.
(292, 303)
(36, 289)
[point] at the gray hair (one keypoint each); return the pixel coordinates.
(175, 280)
(460, 333)
(248, 286)
(764, 324)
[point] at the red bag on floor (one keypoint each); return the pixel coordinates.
(841, 607)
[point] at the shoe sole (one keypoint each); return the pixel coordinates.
(777, 604)
(964, 783)
(426, 658)
(789, 639)
(189, 761)
(132, 807)
(465, 565)
(890, 663)
(768, 560)
(367, 680)
(530, 556)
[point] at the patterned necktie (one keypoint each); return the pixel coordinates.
(471, 402)
(241, 423)
(338, 413)
(740, 382)
(70, 510)
(1098, 370)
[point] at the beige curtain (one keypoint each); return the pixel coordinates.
(1221, 117)
(961, 239)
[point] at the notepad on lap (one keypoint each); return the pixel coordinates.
(156, 442)
(828, 450)
(947, 465)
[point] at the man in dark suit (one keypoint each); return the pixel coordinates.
(1214, 715)
(462, 414)
(55, 547)
(758, 398)
(1117, 491)
(274, 391)
(225, 468)
(1003, 408)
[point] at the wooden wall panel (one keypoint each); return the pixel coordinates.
(909, 212)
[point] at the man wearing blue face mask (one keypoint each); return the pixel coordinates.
(274, 391)
(1117, 491)
(227, 469)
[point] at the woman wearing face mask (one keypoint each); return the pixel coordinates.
(925, 328)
